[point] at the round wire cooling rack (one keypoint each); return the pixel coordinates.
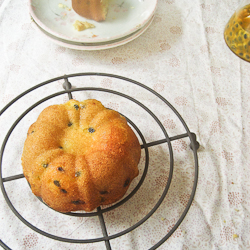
(100, 211)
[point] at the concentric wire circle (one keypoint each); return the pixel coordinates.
(99, 213)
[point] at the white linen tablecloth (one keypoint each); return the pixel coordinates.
(184, 58)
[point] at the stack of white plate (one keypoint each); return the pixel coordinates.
(126, 20)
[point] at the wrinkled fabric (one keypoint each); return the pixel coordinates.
(183, 57)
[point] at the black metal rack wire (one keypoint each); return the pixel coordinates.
(99, 213)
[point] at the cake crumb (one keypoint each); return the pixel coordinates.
(163, 219)
(235, 236)
(63, 6)
(79, 26)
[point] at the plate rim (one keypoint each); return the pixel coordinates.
(95, 47)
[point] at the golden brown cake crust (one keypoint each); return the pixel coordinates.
(91, 9)
(80, 155)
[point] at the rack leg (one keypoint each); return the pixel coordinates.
(67, 85)
(196, 143)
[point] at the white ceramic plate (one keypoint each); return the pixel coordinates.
(124, 17)
(95, 46)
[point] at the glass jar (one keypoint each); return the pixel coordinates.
(237, 31)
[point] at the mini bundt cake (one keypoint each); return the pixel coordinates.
(92, 9)
(80, 155)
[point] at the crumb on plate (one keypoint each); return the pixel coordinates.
(63, 6)
(79, 25)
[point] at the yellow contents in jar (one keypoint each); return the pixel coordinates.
(237, 33)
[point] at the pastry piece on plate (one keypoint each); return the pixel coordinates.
(91, 9)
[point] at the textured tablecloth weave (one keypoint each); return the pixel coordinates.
(183, 57)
